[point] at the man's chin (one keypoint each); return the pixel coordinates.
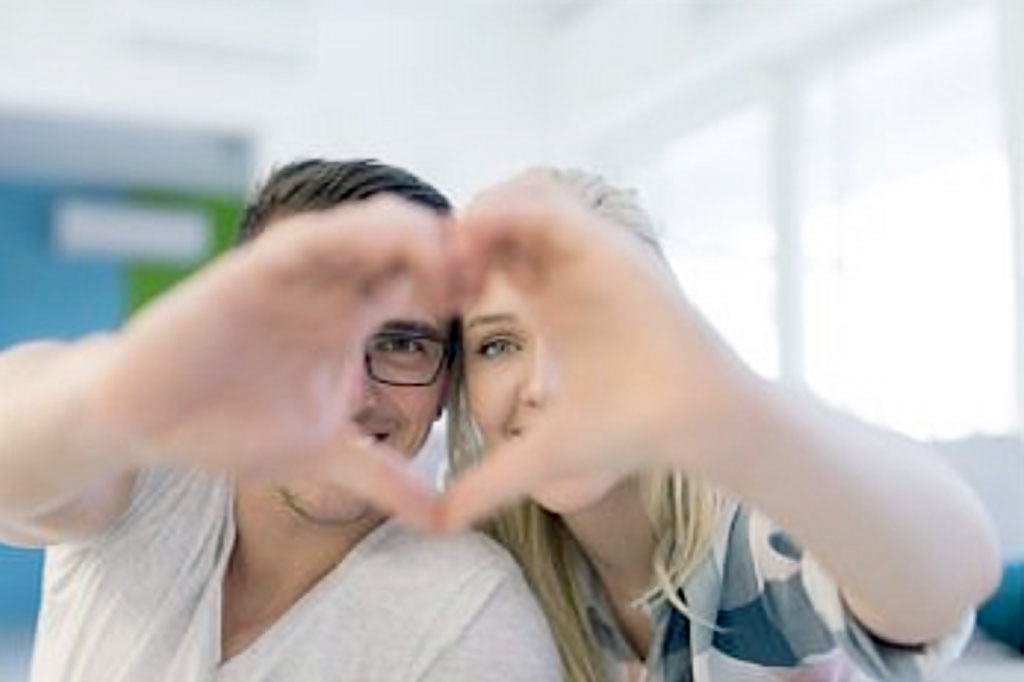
(335, 509)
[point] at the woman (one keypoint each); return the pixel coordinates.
(597, 390)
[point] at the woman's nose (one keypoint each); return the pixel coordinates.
(537, 385)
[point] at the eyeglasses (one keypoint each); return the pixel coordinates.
(405, 358)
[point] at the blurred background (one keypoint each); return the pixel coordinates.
(838, 182)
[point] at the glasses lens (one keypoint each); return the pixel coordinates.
(404, 358)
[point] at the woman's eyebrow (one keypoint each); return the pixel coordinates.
(493, 318)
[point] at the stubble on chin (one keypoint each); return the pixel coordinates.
(359, 511)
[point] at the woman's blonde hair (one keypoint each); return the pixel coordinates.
(683, 512)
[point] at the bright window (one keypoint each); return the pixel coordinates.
(907, 235)
(711, 190)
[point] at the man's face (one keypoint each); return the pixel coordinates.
(398, 416)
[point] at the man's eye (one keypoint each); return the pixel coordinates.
(399, 344)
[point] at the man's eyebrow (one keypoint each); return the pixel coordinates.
(493, 318)
(415, 327)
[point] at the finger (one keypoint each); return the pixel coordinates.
(384, 478)
(355, 265)
(388, 297)
(409, 243)
(465, 277)
(505, 475)
(367, 243)
(521, 234)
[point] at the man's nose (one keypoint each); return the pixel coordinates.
(367, 390)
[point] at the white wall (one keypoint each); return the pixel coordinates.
(994, 467)
(1013, 84)
(446, 88)
(627, 73)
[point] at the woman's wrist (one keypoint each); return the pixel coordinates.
(734, 419)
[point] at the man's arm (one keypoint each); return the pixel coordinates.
(248, 367)
(58, 481)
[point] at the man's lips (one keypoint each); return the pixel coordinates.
(378, 429)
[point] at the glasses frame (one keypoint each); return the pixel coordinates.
(445, 360)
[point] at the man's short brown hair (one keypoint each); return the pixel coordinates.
(317, 185)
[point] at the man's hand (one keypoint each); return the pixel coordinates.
(250, 366)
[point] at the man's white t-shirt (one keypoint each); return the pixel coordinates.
(143, 603)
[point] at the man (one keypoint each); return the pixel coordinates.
(211, 481)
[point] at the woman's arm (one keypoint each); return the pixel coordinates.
(906, 540)
(643, 382)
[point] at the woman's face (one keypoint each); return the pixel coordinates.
(510, 377)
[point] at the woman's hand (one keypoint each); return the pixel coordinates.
(639, 378)
(642, 382)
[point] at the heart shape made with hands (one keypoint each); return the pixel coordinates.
(251, 365)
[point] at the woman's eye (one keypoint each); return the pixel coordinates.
(497, 347)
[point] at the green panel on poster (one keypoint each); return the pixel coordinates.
(146, 281)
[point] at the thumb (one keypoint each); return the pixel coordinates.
(506, 474)
(381, 476)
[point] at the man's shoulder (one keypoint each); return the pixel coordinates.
(470, 549)
(439, 590)
(165, 505)
(403, 604)
(436, 564)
